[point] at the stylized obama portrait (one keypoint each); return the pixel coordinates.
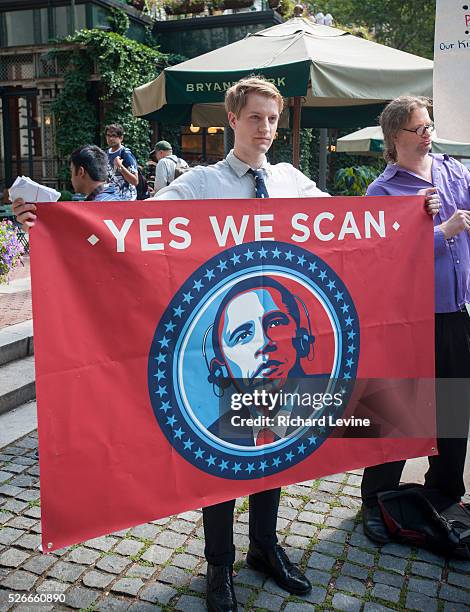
(258, 342)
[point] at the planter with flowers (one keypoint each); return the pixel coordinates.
(11, 251)
(184, 7)
(215, 7)
(138, 4)
(237, 4)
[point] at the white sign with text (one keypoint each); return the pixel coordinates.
(451, 69)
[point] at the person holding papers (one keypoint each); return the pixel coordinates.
(89, 175)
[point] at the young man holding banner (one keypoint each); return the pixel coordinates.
(407, 130)
(253, 106)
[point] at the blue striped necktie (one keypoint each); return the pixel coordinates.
(260, 185)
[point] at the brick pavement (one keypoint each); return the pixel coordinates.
(160, 565)
(15, 306)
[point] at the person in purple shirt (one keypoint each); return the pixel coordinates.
(412, 169)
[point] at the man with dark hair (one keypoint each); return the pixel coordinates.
(413, 169)
(89, 175)
(122, 163)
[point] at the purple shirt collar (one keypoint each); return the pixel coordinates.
(392, 169)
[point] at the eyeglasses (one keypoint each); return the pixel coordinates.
(421, 129)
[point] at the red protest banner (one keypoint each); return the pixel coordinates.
(155, 322)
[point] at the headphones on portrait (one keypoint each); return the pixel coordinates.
(218, 373)
(304, 339)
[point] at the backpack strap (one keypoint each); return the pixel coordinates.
(176, 163)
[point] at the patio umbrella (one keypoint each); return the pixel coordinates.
(370, 141)
(341, 80)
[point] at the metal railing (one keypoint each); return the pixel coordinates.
(20, 64)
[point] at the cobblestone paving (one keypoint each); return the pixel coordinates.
(160, 565)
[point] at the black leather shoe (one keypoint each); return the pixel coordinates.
(220, 595)
(374, 526)
(276, 564)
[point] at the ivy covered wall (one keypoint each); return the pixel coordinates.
(100, 75)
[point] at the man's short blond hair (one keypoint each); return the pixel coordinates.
(394, 117)
(236, 96)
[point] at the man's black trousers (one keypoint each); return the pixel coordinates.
(445, 469)
(218, 526)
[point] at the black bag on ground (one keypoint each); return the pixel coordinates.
(424, 517)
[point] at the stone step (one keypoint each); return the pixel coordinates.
(16, 341)
(17, 422)
(17, 384)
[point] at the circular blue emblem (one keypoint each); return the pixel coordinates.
(226, 324)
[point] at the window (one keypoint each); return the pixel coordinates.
(192, 145)
(202, 146)
(215, 146)
(100, 16)
(19, 28)
(61, 21)
(80, 17)
(136, 31)
(43, 26)
(30, 27)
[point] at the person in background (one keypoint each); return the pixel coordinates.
(169, 166)
(122, 163)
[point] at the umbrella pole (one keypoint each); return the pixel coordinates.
(296, 133)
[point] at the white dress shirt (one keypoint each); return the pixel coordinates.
(228, 179)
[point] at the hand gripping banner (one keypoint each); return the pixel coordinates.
(192, 352)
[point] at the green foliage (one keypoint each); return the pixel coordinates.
(121, 65)
(118, 21)
(306, 140)
(215, 5)
(183, 7)
(408, 26)
(66, 196)
(281, 150)
(75, 116)
(353, 181)
(173, 135)
(344, 160)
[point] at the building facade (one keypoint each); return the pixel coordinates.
(31, 79)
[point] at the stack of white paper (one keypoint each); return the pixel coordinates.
(30, 191)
